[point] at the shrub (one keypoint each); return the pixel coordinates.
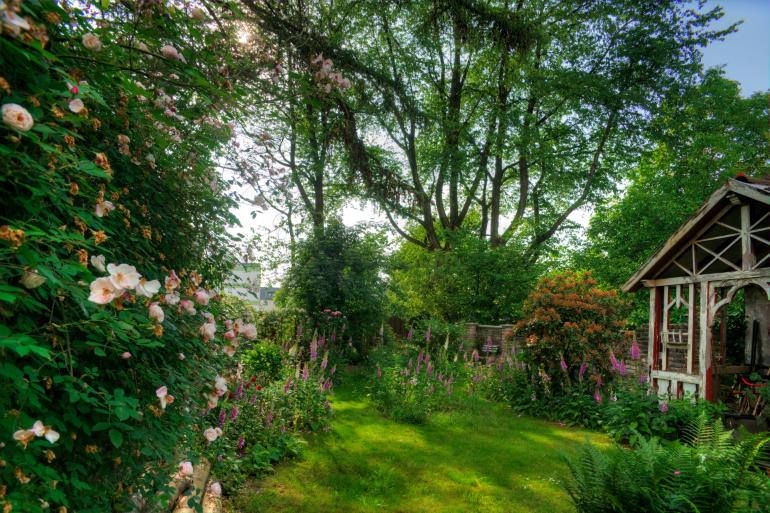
(260, 424)
(282, 325)
(432, 334)
(635, 412)
(712, 472)
(263, 362)
(234, 307)
(569, 322)
(112, 162)
(338, 269)
(409, 392)
(471, 282)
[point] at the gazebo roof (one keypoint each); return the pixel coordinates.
(757, 189)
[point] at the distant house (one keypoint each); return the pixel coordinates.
(267, 298)
(244, 283)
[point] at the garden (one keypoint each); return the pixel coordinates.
(520, 252)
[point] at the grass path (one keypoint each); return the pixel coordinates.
(481, 459)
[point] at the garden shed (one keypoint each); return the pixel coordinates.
(722, 249)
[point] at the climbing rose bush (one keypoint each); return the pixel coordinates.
(113, 118)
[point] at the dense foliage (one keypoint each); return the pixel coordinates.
(710, 472)
(113, 119)
(338, 271)
(264, 412)
(409, 384)
(469, 282)
(573, 329)
(700, 139)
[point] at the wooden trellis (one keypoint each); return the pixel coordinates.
(724, 247)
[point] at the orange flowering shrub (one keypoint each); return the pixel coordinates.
(573, 327)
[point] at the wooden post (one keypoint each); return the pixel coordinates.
(747, 260)
(690, 328)
(706, 301)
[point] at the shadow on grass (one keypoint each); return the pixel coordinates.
(481, 459)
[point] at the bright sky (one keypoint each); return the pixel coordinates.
(745, 56)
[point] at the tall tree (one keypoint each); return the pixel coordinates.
(701, 138)
(524, 111)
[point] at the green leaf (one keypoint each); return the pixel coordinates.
(116, 437)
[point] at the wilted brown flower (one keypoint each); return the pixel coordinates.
(99, 236)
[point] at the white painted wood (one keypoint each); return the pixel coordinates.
(651, 334)
(678, 376)
(753, 191)
(746, 259)
(716, 277)
(705, 307)
(690, 327)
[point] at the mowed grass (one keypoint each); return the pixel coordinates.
(481, 458)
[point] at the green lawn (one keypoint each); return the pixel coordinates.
(481, 459)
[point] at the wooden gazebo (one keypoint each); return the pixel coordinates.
(723, 248)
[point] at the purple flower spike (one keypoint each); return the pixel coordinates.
(286, 387)
(614, 361)
(664, 407)
(583, 367)
(269, 418)
(409, 335)
(305, 373)
(598, 397)
(427, 334)
(313, 350)
(234, 413)
(241, 443)
(563, 364)
(325, 361)
(334, 369)
(635, 352)
(222, 417)
(643, 378)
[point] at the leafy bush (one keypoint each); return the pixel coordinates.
(281, 325)
(260, 424)
(338, 269)
(572, 327)
(712, 472)
(263, 362)
(409, 392)
(636, 412)
(107, 157)
(471, 282)
(432, 334)
(234, 307)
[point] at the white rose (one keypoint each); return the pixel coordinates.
(198, 13)
(98, 263)
(31, 279)
(17, 117)
(169, 52)
(77, 106)
(92, 42)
